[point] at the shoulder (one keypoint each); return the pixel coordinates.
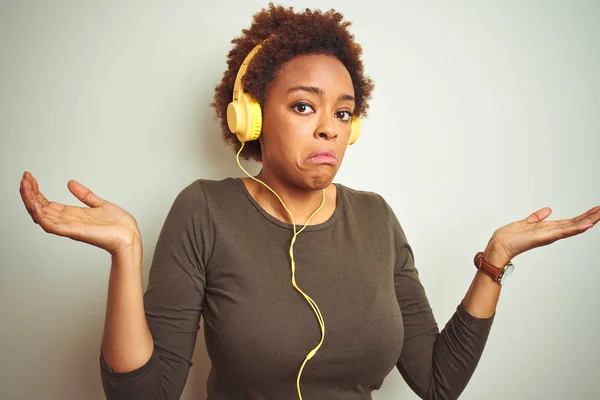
(367, 207)
(372, 205)
(200, 193)
(205, 188)
(363, 199)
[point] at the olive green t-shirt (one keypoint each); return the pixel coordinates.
(222, 257)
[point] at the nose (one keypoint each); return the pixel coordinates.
(326, 128)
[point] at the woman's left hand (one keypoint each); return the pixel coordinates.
(520, 236)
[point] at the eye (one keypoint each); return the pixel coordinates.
(344, 115)
(302, 108)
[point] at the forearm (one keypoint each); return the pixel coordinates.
(127, 343)
(483, 294)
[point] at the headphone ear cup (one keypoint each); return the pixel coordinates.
(244, 118)
(355, 129)
(255, 118)
(236, 118)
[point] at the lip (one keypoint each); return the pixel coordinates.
(322, 156)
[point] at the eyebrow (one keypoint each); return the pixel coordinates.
(318, 91)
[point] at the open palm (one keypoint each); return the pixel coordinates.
(103, 224)
(534, 231)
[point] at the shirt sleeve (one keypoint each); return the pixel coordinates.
(436, 365)
(172, 303)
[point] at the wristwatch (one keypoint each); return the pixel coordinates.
(498, 275)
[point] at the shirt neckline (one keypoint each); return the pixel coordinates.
(309, 228)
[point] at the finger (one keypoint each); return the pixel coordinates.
(24, 198)
(35, 190)
(572, 229)
(27, 196)
(591, 219)
(586, 214)
(37, 213)
(54, 222)
(539, 215)
(50, 222)
(51, 209)
(30, 200)
(29, 178)
(84, 194)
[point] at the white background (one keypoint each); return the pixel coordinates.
(483, 112)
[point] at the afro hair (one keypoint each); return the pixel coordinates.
(290, 34)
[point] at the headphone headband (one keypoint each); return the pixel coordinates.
(244, 116)
(238, 86)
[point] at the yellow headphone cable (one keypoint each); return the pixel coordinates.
(310, 301)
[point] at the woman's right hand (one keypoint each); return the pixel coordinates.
(103, 224)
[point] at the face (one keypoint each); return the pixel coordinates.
(307, 116)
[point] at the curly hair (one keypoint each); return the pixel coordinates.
(290, 34)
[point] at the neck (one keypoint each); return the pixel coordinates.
(301, 202)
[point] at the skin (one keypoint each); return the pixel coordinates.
(308, 107)
(296, 123)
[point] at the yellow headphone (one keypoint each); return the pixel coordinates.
(244, 116)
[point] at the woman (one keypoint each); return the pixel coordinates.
(353, 306)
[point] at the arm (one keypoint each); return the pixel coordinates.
(439, 365)
(483, 294)
(144, 355)
(172, 303)
(127, 342)
(436, 365)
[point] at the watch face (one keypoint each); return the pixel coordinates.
(507, 273)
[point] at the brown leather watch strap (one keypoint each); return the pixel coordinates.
(494, 272)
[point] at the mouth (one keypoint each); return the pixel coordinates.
(323, 156)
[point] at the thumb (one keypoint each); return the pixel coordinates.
(84, 194)
(539, 215)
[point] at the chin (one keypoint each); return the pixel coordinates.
(320, 180)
